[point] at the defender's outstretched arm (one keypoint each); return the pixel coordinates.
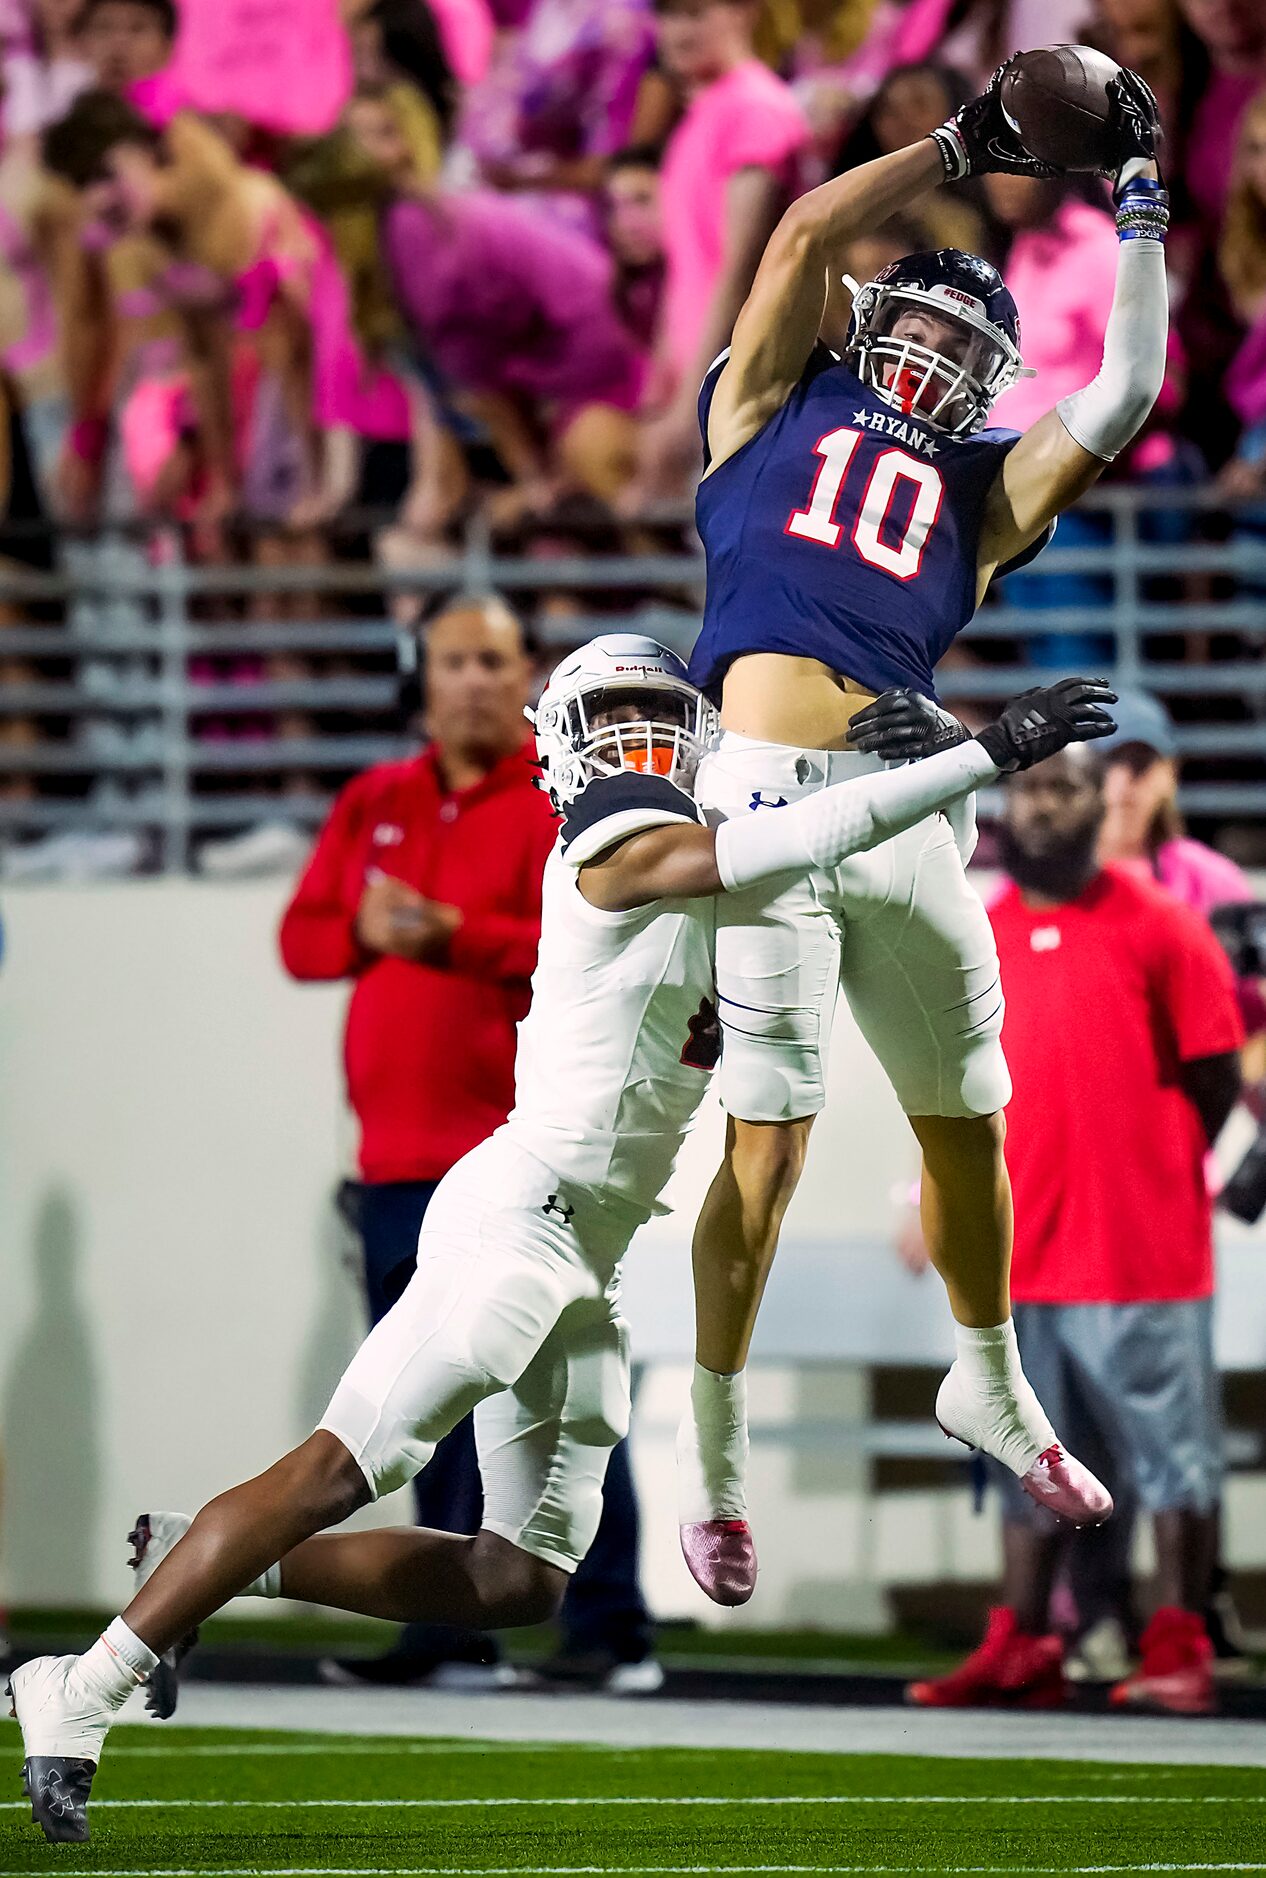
(683, 861)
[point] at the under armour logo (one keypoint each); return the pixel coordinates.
(758, 802)
(52, 1790)
(557, 1205)
(1045, 939)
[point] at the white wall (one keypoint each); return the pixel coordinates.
(174, 1304)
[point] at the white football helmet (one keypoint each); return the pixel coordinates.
(621, 702)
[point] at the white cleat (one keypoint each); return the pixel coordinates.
(63, 1729)
(1009, 1424)
(151, 1539)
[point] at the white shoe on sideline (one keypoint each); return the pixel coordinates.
(1100, 1654)
(644, 1678)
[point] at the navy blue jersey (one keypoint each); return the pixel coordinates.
(843, 531)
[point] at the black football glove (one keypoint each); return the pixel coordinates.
(902, 724)
(1039, 723)
(979, 141)
(1134, 122)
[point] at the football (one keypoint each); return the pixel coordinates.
(1057, 101)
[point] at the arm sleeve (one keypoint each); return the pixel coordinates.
(822, 829)
(961, 816)
(1195, 987)
(317, 937)
(1212, 1085)
(1107, 412)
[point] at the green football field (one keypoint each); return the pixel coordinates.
(202, 1800)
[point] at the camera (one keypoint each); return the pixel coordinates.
(1244, 1195)
(1241, 932)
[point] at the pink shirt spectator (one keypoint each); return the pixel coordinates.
(747, 120)
(504, 301)
(1215, 129)
(1063, 279)
(285, 66)
(466, 30)
(905, 32)
(1204, 879)
(159, 97)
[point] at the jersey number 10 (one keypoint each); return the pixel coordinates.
(816, 521)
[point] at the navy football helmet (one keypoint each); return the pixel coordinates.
(938, 337)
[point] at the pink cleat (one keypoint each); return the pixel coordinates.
(1008, 1423)
(1060, 1481)
(721, 1558)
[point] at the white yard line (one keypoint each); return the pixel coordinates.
(727, 1800)
(338, 1748)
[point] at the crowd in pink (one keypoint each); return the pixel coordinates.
(270, 265)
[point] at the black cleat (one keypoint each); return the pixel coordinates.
(58, 1790)
(162, 1690)
(152, 1537)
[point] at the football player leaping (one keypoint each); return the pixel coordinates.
(854, 511)
(513, 1310)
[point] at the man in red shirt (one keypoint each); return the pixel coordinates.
(425, 890)
(1122, 1032)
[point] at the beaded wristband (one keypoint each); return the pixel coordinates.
(1142, 211)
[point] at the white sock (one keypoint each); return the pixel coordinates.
(117, 1663)
(991, 1355)
(994, 1404)
(712, 1448)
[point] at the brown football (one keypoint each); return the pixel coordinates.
(1058, 104)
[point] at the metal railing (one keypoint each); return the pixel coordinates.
(119, 711)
